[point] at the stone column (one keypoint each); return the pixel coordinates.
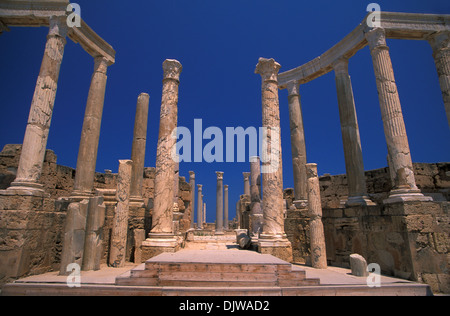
(298, 143)
(138, 148)
(256, 215)
(41, 111)
(93, 244)
(200, 206)
(405, 188)
(162, 236)
(176, 185)
(317, 235)
(192, 185)
(273, 239)
(90, 135)
(120, 222)
(219, 204)
(350, 137)
(204, 213)
(246, 183)
(440, 43)
(225, 207)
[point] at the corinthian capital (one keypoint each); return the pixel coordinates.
(172, 69)
(268, 69)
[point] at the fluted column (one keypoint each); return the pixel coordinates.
(219, 203)
(225, 208)
(41, 111)
(350, 137)
(256, 214)
(317, 235)
(138, 148)
(440, 43)
(90, 135)
(165, 165)
(405, 187)
(200, 206)
(192, 185)
(298, 143)
(273, 239)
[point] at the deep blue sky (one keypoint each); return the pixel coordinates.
(219, 43)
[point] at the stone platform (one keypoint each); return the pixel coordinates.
(215, 273)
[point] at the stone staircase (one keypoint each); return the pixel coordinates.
(216, 268)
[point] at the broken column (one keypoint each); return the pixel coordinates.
(93, 244)
(162, 238)
(273, 239)
(41, 111)
(317, 235)
(225, 208)
(357, 190)
(405, 188)
(256, 215)
(298, 144)
(138, 149)
(120, 222)
(200, 206)
(440, 43)
(219, 203)
(192, 185)
(90, 134)
(246, 183)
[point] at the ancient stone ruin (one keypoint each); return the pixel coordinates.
(53, 216)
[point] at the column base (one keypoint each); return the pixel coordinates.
(25, 188)
(77, 196)
(158, 243)
(359, 201)
(277, 246)
(406, 195)
(137, 201)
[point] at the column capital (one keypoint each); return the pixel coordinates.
(268, 69)
(219, 175)
(226, 186)
(58, 26)
(439, 41)
(192, 175)
(311, 170)
(340, 66)
(200, 187)
(101, 64)
(293, 88)
(246, 175)
(172, 69)
(376, 38)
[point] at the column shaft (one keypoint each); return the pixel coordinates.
(394, 126)
(41, 110)
(256, 214)
(200, 206)
(246, 183)
(225, 206)
(192, 185)
(298, 143)
(219, 203)
(90, 135)
(350, 136)
(165, 165)
(440, 43)
(139, 144)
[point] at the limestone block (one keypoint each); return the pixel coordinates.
(358, 265)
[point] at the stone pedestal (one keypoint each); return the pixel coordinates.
(350, 137)
(273, 239)
(90, 135)
(405, 188)
(41, 111)
(162, 235)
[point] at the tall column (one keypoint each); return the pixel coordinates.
(204, 213)
(200, 206)
(317, 235)
(256, 215)
(273, 239)
(440, 43)
(219, 204)
(41, 111)
(225, 207)
(298, 143)
(350, 136)
(192, 185)
(162, 228)
(90, 135)
(405, 188)
(138, 148)
(246, 183)
(176, 185)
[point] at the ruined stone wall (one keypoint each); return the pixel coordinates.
(36, 225)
